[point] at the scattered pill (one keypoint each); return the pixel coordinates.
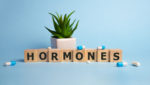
(121, 64)
(49, 47)
(80, 47)
(7, 63)
(83, 46)
(101, 47)
(88, 62)
(12, 63)
(135, 63)
(125, 63)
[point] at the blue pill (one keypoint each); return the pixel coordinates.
(13, 63)
(120, 64)
(80, 47)
(103, 47)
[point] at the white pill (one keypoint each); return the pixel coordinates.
(88, 62)
(101, 47)
(135, 63)
(125, 63)
(83, 46)
(7, 64)
(49, 47)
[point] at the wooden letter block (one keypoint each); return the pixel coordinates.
(54, 55)
(30, 55)
(102, 55)
(115, 55)
(79, 55)
(91, 55)
(42, 55)
(67, 55)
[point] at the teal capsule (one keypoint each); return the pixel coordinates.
(11, 63)
(80, 47)
(122, 64)
(103, 47)
(119, 64)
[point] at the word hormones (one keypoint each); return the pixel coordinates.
(72, 55)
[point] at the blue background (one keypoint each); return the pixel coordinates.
(123, 24)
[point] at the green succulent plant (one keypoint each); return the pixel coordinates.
(62, 25)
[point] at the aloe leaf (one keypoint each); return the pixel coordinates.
(68, 23)
(70, 14)
(64, 21)
(57, 15)
(66, 28)
(59, 36)
(60, 21)
(61, 24)
(65, 17)
(51, 31)
(72, 24)
(74, 28)
(57, 18)
(69, 28)
(55, 34)
(56, 26)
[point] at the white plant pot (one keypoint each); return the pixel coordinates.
(65, 43)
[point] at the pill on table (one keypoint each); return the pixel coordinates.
(12, 63)
(101, 47)
(121, 64)
(125, 63)
(88, 62)
(49, 47)
(80, 47)
(135, 63)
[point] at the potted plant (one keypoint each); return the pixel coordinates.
(63, 30)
